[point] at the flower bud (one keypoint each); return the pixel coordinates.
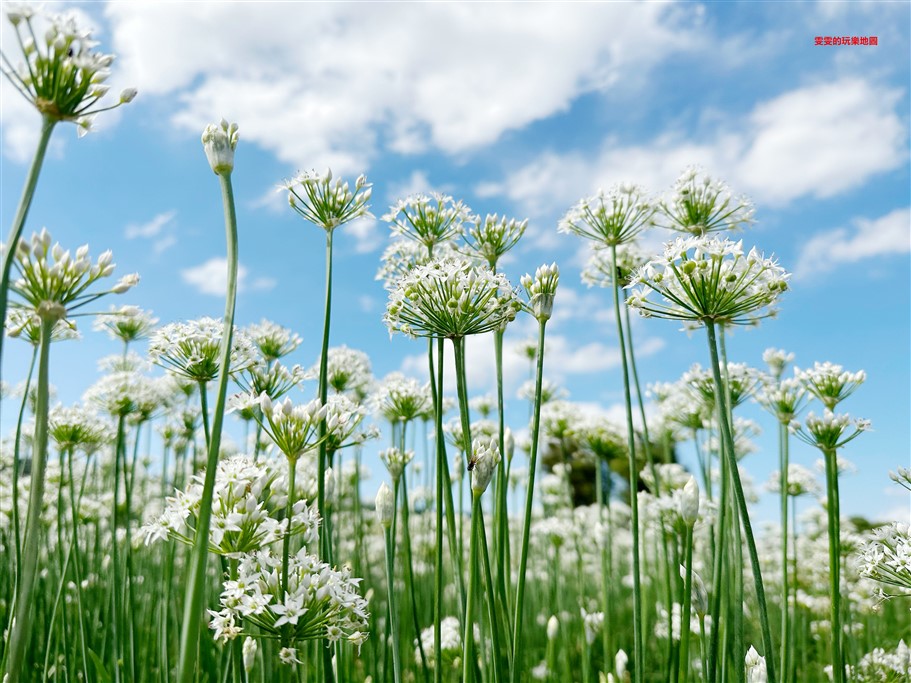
(385, 505)
(126, 283)
(620, 662)
(249, 653)
(689, 502)
(127, 95)
(755, 666)
(552, 627)
(485, 459)
(219, 142)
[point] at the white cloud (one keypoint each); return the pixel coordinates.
(816, 141)
(889, 234)
(150, 229)
(366, 235)
(324, 84)
(211, 278)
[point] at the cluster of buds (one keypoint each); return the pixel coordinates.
(541, 290)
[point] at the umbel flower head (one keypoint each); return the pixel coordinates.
(77, 428)
(610, 218)
(699, 205)
(401, 399)
(292, 428)
(273, 341)
(219, 140)
(494, 236)
(61, 74)
(599, 270)
(348, 371)
(396, 461)
(830, 383)
(402, 255)
(274, 380)
(53, 283)
(708, 279)
(191, 349)
(325, 203)
(126, 323)
(483, 463)
(541, 290)
(782, 399)
(829, 432)
(450, 298)
(22, 324)
(428, 219)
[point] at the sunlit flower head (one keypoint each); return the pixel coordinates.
(192, 349)
(132, 394)
(777, 360)
(403, 255)
(801, 481)
(830, 383)
(599, 270)
(450, 298)
(610, 218)
(829, 431)
(76, 428)
(401, 399)
(53, 282)
(293, 428)
(343, 417)
(272, 340)
(61, 74)
(327, 203)
(348, 371)
(395, 461)
(274, 380)
(700, 204)
(492, 237)
(219, 140)
(126, 323)
(783, 399)
(428, 219)
(26, 325)
(541, 290)
(704, 280)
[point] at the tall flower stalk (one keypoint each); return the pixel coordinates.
(219, 142)
(541, 291)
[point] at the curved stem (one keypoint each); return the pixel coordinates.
(21, 620)
(25, 202)
(196, 583)
(740, 500)
(785, 621)
(638, 653)
(526, 524)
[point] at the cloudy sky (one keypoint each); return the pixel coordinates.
(519, 111)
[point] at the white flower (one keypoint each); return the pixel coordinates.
(755, 667)
(541, 290)
(192, 349)
(272, 340)
(385, 505)
(483, 463)
(328, 204)
(491, 238)
(428, 219)
(219, 142)
(689, 502)
(830, 383)
(700, 204)
(610, 218)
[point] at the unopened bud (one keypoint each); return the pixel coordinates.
(219, 142)
(385, 505)
(689, 502)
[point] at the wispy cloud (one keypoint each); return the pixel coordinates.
(865, 239)
(159, 229)
(211, 278)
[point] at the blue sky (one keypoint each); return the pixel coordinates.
(519, 111)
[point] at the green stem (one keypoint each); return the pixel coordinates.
(116, 597)
(22, 626)
(492, 613)
(468, 658)
(785, 621)
(638, 652)
(605, 578)
(441, 457)
(409, 577)
(728, 452)
(286, 541)
(526, 524)
(393, 610)
(77, 565)
(18, 439)
(684, 661)
(832, 510)
(501, 516)
(25, 202)
(196, 583)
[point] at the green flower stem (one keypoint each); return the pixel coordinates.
(409, 578)
(18, 439)
(605, 566)
(25, 202)
(77, 564)
(728, 450)
(21, 628)
(204, 411)
(526, 524)
(638, 652)
(785, 620)
(323, 397)
(718, 570)
(441, 459)
(492, 613)
(501, 514)
(469, 658)
(286, 540)
(832, 510)
(393, 608)
(196, 583)
(116, 597)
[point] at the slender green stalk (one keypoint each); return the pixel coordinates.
(323, 397)
(832, 510)
(393, 608)
(196, 583)
(469, 657)
(409, 577)
(684, 661)
(286, 541)
(17, 548)
(21, 628)
(605, 568)
(501, 514)
(740, 500)
(77, 564)
(441, 463)
(25, 202)
(785, 620)
(492, 612)
(526, 524)
(638, 652)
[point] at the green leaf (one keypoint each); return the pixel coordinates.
(103, 675)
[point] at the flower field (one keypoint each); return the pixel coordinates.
(139, 543)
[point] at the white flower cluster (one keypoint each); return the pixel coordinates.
(428, 219)
(328, 204)
(592, 623)
(450, 644)
(880, 665)
(403, 255)
(396, 461)
(192, 349)
(886, 558)
(742, 380)
(402, 399)
(347, 371)
(483, 463)
(599, 269)
(126, 323)
(450, 298)
(272, 340)
(317, 601)
(541, 290)
(293, 428)
(52, 282)
(130, 393)
(782, 398)
(247, 510)
(801, 481)
(830, 383)
(77, 428)
(777, 360)
(704, 279)
(610, 218)
(63, 78)
(830, 431)
(491, 238)
(700, 204)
